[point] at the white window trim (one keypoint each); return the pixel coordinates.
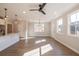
(57, 26)
(74, 35)
(37, 31)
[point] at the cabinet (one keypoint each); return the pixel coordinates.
(5, 27)
(2, 29)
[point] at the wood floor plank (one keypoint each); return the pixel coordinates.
(38, 46)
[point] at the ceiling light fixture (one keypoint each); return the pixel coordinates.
(55, 13)
(24, 12)
(16, 19)
(5, 17)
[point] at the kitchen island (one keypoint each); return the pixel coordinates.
(8, 40)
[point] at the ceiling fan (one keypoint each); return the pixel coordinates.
(41, 6)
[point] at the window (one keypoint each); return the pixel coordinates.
(74, 24)
(59, 25)
(38, 27)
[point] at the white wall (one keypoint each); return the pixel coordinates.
(45, 33)
(69, 41)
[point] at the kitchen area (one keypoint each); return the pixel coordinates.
(8, 34)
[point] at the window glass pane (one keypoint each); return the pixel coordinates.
(72, 29)
(38, 27)
(73, 24)
(73, 18)
(77, 23)
(59, 25)
(78, 16)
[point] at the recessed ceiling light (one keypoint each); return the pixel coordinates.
(24, 12)
(7, 16)
(55, 13)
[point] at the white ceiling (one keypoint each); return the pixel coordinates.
(53, 10)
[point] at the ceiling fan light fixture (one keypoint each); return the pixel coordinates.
(7, 16)
(24, 12)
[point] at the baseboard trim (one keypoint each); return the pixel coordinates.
(76, 51)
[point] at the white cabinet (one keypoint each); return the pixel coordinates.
(8, 40)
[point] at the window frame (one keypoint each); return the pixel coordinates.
(69, 20)
(60, 32)
(39, 30)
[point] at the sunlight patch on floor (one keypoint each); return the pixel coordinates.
(39, 51)
(34, 52)
(46, 48)
(40, 41)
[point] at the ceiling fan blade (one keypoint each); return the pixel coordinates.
(33, 9)
(43, 12)
(42, 6)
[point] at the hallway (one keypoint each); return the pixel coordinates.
(38, 46)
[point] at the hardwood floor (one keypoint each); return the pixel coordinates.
(38, 46)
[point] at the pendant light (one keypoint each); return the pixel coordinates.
(16, 20)
(5, 17)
